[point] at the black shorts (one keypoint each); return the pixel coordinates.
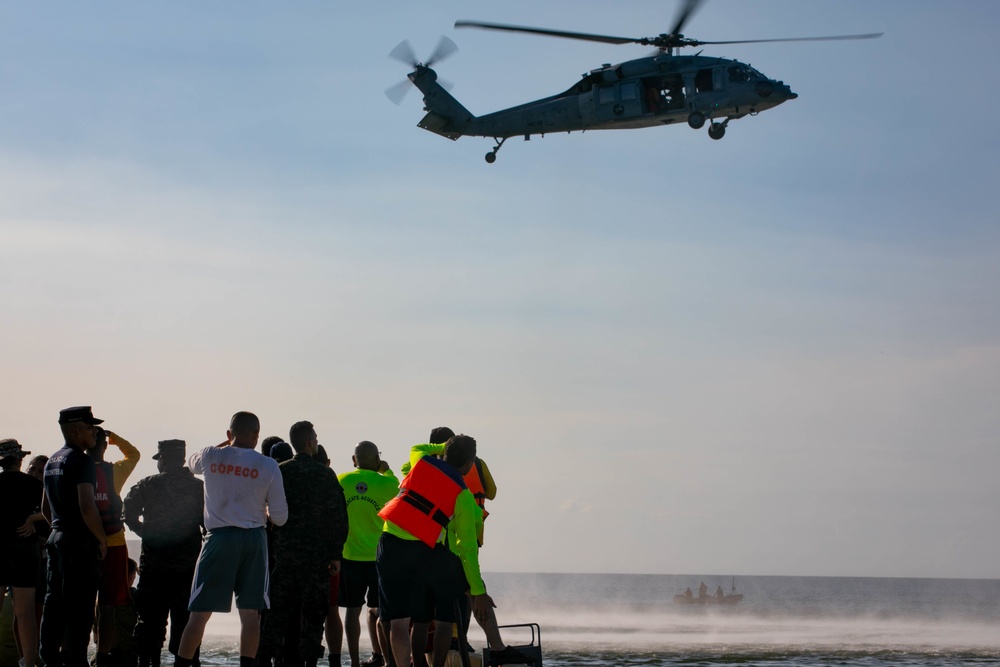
(19, 564)
(356, 578)
(409, 571)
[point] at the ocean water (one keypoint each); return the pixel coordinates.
(614, 619)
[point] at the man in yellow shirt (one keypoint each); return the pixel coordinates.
(366, 489)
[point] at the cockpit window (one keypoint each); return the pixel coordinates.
(738, 74)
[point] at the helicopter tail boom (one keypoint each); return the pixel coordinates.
(445, 115)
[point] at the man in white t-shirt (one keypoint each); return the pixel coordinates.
(243, 489)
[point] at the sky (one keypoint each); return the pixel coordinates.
(774, 354)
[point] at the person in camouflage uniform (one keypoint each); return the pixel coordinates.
(166, 511)
(307, 549)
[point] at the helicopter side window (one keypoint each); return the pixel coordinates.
(629, 91)
(606, 95)
(703, 81)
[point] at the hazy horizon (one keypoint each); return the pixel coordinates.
(777, 354)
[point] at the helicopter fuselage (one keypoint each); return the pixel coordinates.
(646, 92)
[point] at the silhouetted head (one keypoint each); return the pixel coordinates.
(244, 429)
(321, 455)
(460, 452)
(366, 455)
(268, 442)
(281, 452)
(36, 468)
(79, 427)
(302, 437)
(440, 435)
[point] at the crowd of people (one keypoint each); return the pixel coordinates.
(278, 529)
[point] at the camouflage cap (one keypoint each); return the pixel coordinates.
(170, 447)
(9, 448)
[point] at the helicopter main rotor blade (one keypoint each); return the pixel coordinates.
(831, 38)
(445, 48)
(606, 39)
(686, 12)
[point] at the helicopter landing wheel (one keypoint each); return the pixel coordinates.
(491, 157)
(717, 130)
(696, 120)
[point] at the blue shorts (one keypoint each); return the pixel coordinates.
(233, 560)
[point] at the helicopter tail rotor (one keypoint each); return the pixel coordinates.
(404, 53)
(445, 48)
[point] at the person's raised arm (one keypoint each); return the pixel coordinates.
(124, 467)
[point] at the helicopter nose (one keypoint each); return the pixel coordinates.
(784, 90)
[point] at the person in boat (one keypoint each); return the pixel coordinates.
(702, 590)
(688, 594)
(718, 592)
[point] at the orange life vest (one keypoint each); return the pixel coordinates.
(474, 481)
(426, 500)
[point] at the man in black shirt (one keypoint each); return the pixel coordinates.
(76, 545)
(20, 495)
(166, 511)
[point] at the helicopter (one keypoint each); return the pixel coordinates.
(663, 88)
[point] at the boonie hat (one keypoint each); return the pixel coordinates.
(169, 447)
(81, 413)
(9, 448)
